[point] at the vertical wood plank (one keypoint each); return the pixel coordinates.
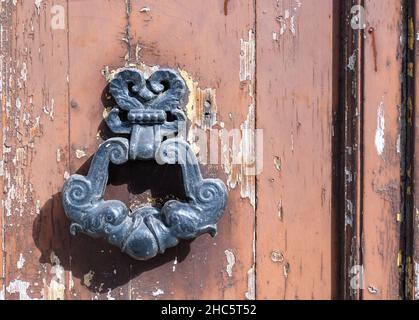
(35, 144)
(196, 269)
(295, 101)
(217, 53)
(96, 32)
(373, 246)
(349, 132)
(382, 218)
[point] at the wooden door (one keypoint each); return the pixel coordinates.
(309, 104)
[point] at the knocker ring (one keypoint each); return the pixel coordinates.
(148, 111)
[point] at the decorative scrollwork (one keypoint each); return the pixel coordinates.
(150, 111)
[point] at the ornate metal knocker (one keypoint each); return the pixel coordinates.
(149, 111)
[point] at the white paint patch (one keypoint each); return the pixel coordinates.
(56, 288)
(288, 20)
(80, 154)
(251, 284)
(145, 9)
(88, 277)
(38, 5)
(251, 160)
(157, 293)
(398, 145)
(174, 264)
(18, 103)
(231, 261)
(8, 202)
(37, 207)
(379, 134)
(20, 287)
(24, 72)
(352, 61)
(50, 112)
(247, 58)
(21, 262)
(349, 219)
(277, 257)
(2, 295)
(373, 290)
(70, 281)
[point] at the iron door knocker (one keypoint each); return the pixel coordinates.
(149, 111)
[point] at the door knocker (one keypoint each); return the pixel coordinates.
(149, 111)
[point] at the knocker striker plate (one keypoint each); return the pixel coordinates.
(149, 112)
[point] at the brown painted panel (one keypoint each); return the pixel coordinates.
(295, 101)
(170, 34)
(96, 30)
(35, 153)
(381, 150)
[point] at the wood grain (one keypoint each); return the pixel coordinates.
(295, 102)
(98, 269)
(35, 133)
(349, 151)
(413, 276)
(329, 101)
(5, 54)
(170, 34)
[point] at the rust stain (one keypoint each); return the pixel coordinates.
(371, 31)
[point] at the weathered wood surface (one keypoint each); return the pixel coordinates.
(52, 114)
(281, 66)
(35, 144)
(295, 100)
(347, 140)
(373, 246)
(381, 212)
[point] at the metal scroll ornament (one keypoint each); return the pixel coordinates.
(149, 112)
